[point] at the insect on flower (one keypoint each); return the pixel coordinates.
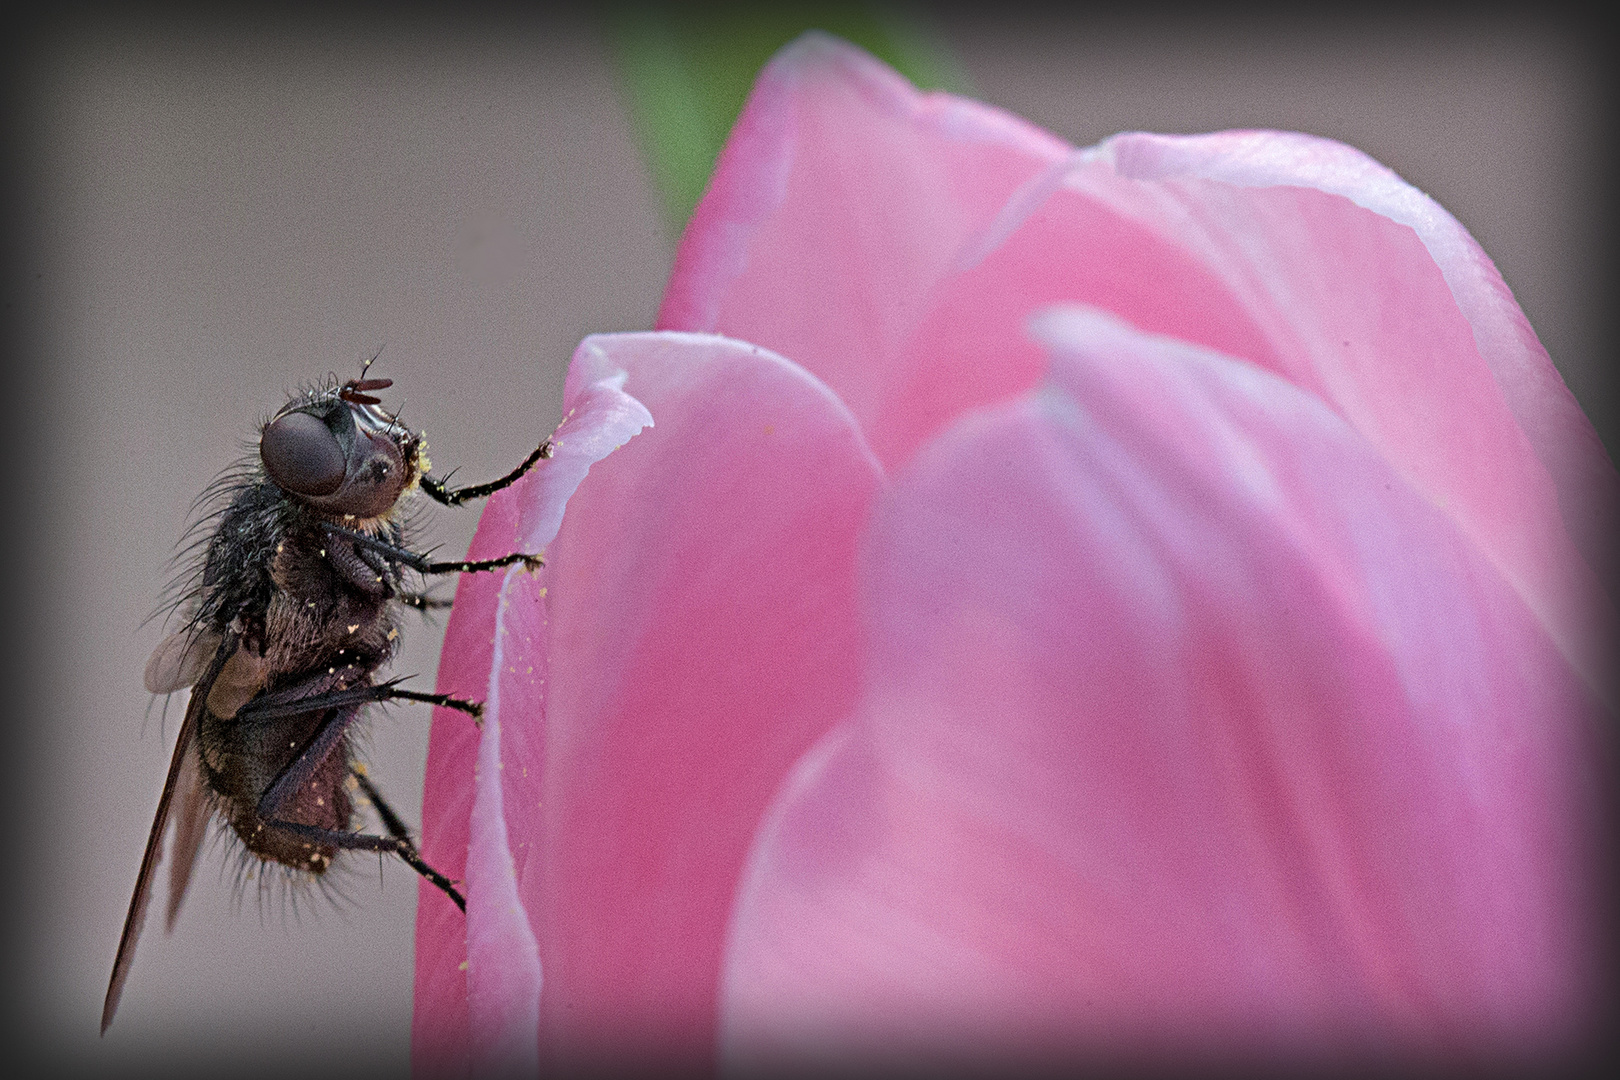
(285, 622)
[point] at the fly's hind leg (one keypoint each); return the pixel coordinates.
(315, 750)
(402, 836)
(391, 821)
(355, 841)
(439, 491)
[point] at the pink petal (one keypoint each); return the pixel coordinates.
(1563, 438)
(1301, 256)
(478, 975)
(895, 243)
(700, 622)
(841, 200)
(1188, 726)
(503, 976)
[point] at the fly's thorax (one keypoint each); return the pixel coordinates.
(316, 617)
(234, 581)
(301, 634)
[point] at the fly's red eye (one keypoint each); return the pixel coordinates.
(302, 455)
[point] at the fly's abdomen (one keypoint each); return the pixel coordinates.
(246, 757)
(322, 801)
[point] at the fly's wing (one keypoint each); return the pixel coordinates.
(181, 660)
(185, 753)
(191, 814)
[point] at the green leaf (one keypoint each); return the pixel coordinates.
(686, 73)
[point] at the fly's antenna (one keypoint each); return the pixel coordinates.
(367, 365)
(358, 391)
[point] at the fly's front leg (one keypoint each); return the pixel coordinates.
(530, 562)
(449, 496)
(362, 573)
(422, 565)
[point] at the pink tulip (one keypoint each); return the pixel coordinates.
(1129, 601)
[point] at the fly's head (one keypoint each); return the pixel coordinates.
(337, 451)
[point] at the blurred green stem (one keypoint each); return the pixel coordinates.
(687, 71)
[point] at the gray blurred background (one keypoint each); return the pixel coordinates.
(205, 214)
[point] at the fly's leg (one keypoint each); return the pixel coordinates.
(354, 841)
(474, 709)
(315, 750)
(402, 836)
(423, 602)
(391, 821)
(307, 696)
(474, 566)
(356, 569)
(438, 491)
(422, 565)
(292, 701)
(340, 707)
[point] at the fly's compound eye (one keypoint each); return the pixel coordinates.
(302, 455)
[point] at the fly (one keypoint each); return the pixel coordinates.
(284, 628)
